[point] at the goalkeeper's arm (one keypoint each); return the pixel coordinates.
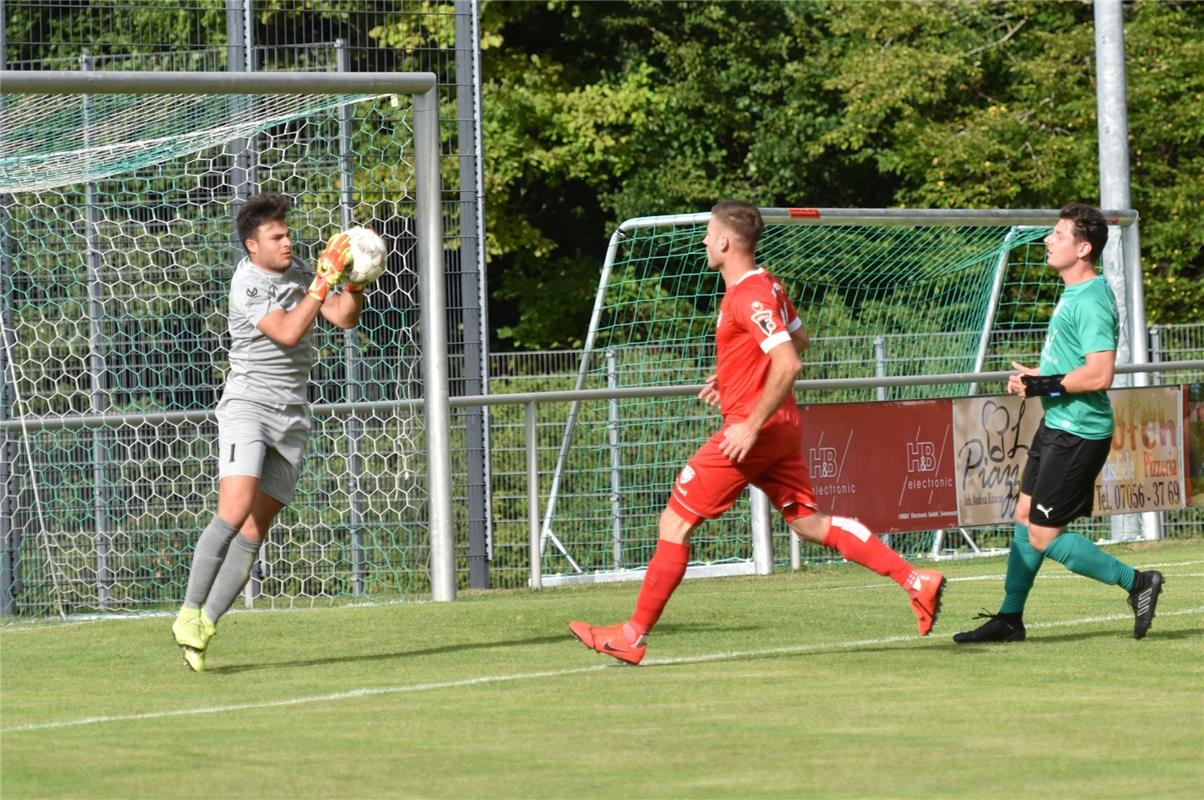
(343, 310)
(286, 328)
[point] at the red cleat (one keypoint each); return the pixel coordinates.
(608, 641)
(926, 598)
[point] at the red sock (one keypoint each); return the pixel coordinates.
(858, 544)
(665, 571)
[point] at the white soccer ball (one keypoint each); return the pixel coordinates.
(368, 253)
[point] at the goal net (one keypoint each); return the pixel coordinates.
(882, 293)
(117, 245)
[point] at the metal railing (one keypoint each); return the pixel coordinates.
(531, 401)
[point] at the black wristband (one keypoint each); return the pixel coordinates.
(1043, 385)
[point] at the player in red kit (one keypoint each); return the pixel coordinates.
(758, 338)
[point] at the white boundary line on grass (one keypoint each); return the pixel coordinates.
(526, 676)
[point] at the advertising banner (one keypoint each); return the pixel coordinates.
(991, 436)
(889, 464)
(1145, 470)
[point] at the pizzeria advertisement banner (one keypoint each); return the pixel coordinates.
(1145, 470)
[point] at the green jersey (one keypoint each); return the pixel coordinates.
(1084, 321)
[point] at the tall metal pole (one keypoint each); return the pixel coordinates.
(471, 275)
(96, 369)
(238, 59)
(8, 446)
(355, 428)
(433, 299)
(1114, 179)
(483, 279)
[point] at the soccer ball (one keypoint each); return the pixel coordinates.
(367, 256)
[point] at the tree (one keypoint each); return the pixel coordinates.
(595, 112)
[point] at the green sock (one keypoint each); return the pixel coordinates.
(1023, 562)
(1081, 555)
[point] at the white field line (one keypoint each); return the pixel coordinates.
(527, 676)
(697, 588)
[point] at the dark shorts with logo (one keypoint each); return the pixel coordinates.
(1060, 476)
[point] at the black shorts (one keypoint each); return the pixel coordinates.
(1060, 476)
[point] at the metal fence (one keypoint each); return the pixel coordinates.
(541, 371)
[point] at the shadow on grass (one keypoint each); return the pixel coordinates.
(938, 645)
(566, 638)
(1041, 638)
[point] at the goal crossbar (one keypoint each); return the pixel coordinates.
(114, 82)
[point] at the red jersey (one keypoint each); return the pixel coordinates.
(754, 317)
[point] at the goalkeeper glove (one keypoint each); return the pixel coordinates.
(334, 259)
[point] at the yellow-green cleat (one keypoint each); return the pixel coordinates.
(192, 631)
(186, 630)
(195, 659)
(208, 630)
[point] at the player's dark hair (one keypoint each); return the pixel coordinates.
(1089, 226)
(742, 219)
(260, 208)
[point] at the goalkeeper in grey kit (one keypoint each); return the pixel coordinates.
(263, 416)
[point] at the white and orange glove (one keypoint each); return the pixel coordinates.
(334, 259)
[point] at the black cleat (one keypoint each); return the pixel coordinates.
(1143, 599)
(995, 629)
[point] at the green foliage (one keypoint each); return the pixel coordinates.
(640, 108)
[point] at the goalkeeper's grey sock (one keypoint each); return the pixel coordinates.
(233, 575)
(207, 559)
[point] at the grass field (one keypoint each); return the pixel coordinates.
(803, 684)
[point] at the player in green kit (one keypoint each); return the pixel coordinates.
(1072, 443)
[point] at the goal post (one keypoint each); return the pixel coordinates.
(61, 133)
(883, 292)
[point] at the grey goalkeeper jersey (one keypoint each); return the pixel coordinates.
(260, 369)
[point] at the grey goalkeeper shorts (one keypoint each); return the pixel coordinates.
(265, 442)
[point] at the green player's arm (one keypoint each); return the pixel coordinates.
(1094, 376)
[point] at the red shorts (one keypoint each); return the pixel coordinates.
(710, 483)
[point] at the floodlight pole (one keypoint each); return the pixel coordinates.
(1114, 184)
(472, 291)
